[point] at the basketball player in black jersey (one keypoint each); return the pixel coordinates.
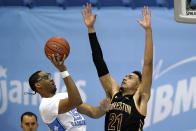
(129, 101)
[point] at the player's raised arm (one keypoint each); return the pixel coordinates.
(109, 85)
(145, 86)
(74, 98)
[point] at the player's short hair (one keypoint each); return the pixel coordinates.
(139, 74)
(28, 114)
(33, 79)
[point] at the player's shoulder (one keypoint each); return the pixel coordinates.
(117, 95)
(48, 101)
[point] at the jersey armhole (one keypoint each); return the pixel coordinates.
(137, 108)
(114, 95)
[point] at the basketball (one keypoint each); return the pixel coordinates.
(57, 45)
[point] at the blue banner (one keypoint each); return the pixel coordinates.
(24, 32)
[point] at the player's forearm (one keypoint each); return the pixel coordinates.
(97, 112)
(73, 93)
(90, 111)
(148, 57)
(97, 55)
(95, 47)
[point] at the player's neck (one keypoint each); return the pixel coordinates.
(47, 95)
(128, 92)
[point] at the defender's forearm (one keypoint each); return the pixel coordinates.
(148, 56)
(97, 55)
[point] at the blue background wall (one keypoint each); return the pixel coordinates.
(23, 33)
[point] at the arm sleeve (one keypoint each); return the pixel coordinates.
(97, 55)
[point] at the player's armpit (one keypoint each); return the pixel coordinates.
(143, 94)
(141, 100)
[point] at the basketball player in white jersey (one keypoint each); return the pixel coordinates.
(58, 110)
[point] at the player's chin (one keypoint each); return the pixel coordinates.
(54, 90)
(54, 87)
(123, 85)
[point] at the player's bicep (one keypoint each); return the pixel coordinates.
(146, 79)
(109, 84)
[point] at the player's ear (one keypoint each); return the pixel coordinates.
(37, 85)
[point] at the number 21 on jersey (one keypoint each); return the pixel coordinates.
(115, 119)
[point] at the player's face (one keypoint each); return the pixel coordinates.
(130, 82)
(29, 123)
(46, 82)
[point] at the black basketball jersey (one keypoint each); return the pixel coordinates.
(124, 115)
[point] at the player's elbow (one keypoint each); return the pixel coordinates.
(78, 102)
(148, 61)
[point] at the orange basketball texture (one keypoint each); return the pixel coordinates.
(57, 45)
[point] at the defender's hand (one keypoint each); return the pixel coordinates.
(89, 19)
(146, 15)
(105, 104)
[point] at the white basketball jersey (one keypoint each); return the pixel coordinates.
(69, 121)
